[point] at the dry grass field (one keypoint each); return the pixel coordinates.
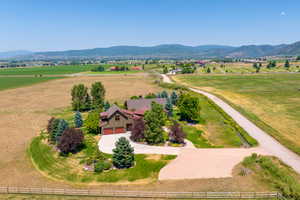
(25, 111)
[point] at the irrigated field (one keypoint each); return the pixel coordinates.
(272, 101)
(9, 83)
(47, 70)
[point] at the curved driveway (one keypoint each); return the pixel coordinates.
(266, 142)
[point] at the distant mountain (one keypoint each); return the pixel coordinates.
(11, 54)
(172, 51)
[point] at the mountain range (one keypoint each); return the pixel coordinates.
(165, 51)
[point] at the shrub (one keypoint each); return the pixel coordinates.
(92, 122)
(150, 96)
(78, 120)
(71, 140)
(99, 167)
(174, 98)
(137, 133)
(98, 69)
(123, 156)
(106, 165)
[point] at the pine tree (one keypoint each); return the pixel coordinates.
(54, 128)
(78, 119)
(123, 156)
(62, 126)
(174, 98)
(106, 106)
(169, 107)
(208, 70)
(164, 94)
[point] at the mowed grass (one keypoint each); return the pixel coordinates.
(69, 169)
(272, 101)
(46, 70)
(15, 82)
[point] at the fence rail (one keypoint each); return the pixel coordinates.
(142, 194)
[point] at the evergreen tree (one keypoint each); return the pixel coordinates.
(287, 64)
(154, 119)
(54, 129)
(78, 119)
(298, 58)
(164, 94)
(169, 107)
(123, 156)
(189, 107)
(208, 70)
(106, 106)
(174, 98)
(62, 126)
(98, 94)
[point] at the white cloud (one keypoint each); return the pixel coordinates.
(282, 13)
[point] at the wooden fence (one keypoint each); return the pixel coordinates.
(142, 194)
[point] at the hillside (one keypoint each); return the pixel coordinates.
(173, 51)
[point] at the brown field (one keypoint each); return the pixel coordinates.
(25, 111)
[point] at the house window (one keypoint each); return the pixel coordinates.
(117, 118)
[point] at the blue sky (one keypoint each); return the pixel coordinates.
(40, 25)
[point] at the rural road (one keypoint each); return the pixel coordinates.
(266, 142)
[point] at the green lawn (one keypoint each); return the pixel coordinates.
(272, 101)
(70, 169)
(14, 82)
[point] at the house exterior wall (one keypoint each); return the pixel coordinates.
(114, 124)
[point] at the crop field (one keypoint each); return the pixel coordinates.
(46, 70)
(240, 67)
(14, 82)
(272, 101)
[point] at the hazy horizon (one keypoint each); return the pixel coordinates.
(67, 25)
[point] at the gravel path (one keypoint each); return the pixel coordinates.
(107, 144)
(266, 142)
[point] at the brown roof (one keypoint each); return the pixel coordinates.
(144, 104)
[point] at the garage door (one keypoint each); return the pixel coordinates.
(120, 130)
(107, 131)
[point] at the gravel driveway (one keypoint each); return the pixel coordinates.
(107, 144)
(266, 142)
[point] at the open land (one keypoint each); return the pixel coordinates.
(271, 101)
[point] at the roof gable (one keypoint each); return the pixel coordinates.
(144, 104)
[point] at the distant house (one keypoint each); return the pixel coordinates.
(136, 68)
(113, 68)
(175, 71)
(116, 120)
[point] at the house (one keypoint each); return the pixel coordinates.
(116, 120)
(136, 68)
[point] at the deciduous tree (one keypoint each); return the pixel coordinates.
(70, 140)
(80, 97)
(176, 134)
(98, 94)
(137, 133)
(92, 122)
(189, 107)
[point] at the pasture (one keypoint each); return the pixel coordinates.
(269, 100)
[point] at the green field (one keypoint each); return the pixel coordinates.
(47, 70)
(14, 82)
(272, 101)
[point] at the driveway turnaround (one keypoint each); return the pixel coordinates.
(267, 143)
(107, 144)
(205, 163)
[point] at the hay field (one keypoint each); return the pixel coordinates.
(269, 100)
(25, 111)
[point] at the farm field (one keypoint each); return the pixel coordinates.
(46, 70)
(9, 82)
(270, 100)
(244, 68)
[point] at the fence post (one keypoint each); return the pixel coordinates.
(7, 191)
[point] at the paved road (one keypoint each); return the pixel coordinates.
(266, 142)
